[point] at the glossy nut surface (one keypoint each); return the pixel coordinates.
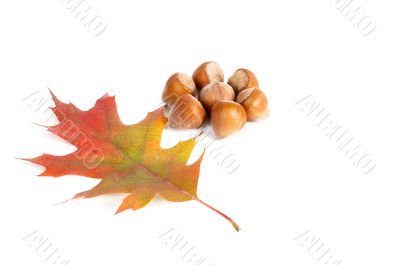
(186, 113)
(254, 102)
(206, 73)
(227, 117)
(242, 79)
(212, 93)
(177, 85)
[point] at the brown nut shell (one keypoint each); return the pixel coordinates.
(186, 113)
(227, 117)
(177, 85)
(206, 73)
(212, 93)
(254, 102)
(242, 79)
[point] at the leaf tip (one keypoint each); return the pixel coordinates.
(119, 210)
(59, 203)
(40, 125)
(106, 95)
(53, 96)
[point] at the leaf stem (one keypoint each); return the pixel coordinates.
(179, 189)
(234, 224)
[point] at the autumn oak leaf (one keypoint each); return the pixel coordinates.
(126, 158)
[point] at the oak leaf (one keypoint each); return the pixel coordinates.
(126, 158)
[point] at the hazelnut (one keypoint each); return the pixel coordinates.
(254, 102)
(227, 117)
(215, 92)
(206, 73)
(242, 79)
(177, 85)
(186, 113)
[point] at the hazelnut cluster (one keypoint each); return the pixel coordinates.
(230, 105)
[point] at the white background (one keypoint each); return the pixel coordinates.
(291, 178)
